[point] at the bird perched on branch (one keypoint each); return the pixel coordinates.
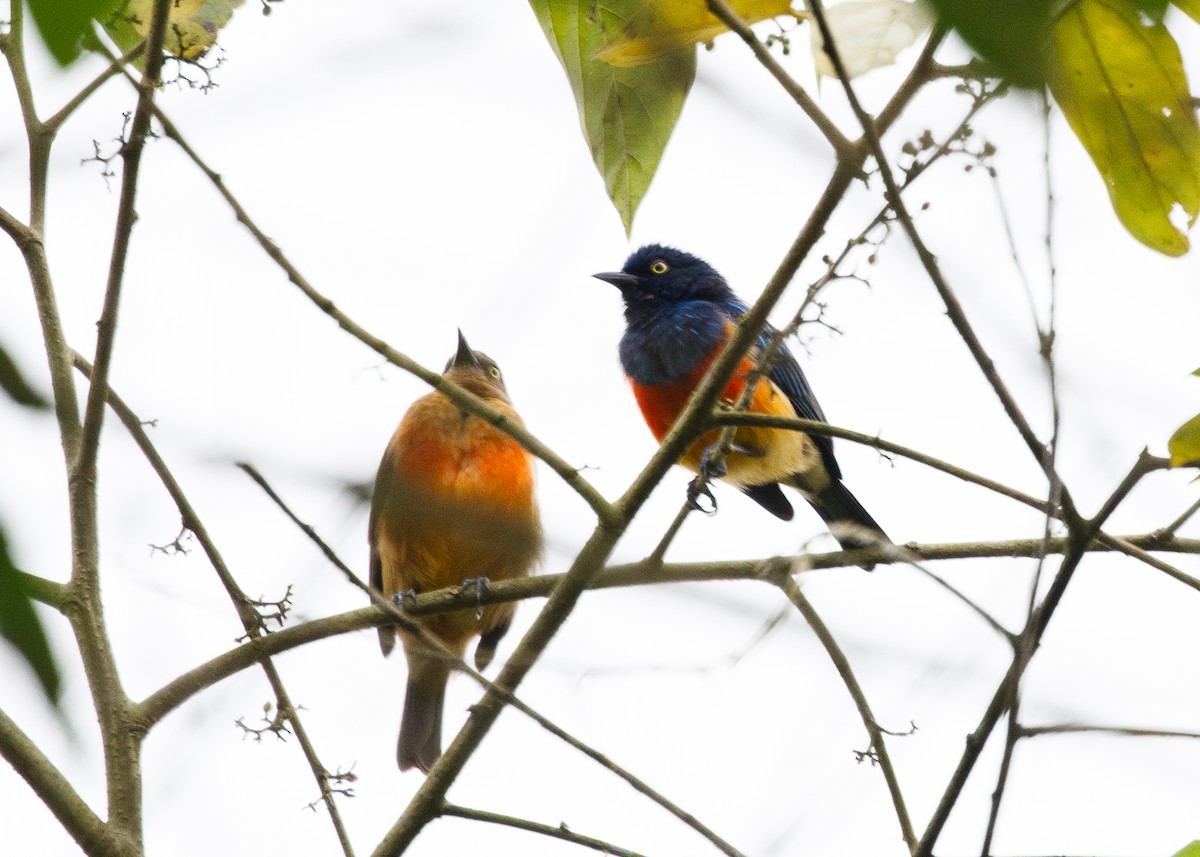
(679, 313)
(453, 504)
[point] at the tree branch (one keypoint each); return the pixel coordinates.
(792, 591)
(465, 400)
(160, 703)
(402, 618)
(561, 832)
(731, 19)
(1080, 535)
(252, 620)
(92, 835)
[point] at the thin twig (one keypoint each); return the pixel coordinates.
(731, 19)
(819, 428)
(131, 156)
(1046, 338)
(561, 832)
(1170, 530)
(792, 590)
(114, 68)
(1080, 535)
(1079, 728)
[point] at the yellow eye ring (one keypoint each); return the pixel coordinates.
(658, 267)
(494, 371)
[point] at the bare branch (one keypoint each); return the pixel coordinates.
(114, 68)
(468, 402)
(561, 832)
(131, 154)
(792, 590)
(175, 693)
(1170, 530)
(1078, 729)
(402, 618)
(841, 145)
(253, 622)
(91, 834)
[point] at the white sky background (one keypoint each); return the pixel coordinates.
(422, 165)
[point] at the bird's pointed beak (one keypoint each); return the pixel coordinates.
(464, 356)
(619, 279)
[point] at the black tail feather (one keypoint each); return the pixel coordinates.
(839, 508)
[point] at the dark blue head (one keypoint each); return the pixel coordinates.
(676, 311)
(655, 274)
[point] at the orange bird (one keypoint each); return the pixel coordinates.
(453, 505)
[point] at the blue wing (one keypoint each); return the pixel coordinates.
(788, 377)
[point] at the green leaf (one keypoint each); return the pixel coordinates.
(14, 384)
(1154, 8)
(627, 114)
(19, 624)
(1013, 36)
(1192, 850)
(63, 24)
(1120, 82)
(1189, 7)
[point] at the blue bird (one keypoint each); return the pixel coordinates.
(679, 313)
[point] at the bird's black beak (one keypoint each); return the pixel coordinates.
(619, 279)
(464, 356)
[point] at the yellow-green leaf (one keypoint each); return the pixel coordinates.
(627, 114)
(1191, 850)
(660, 27)
(1184, 445)
(1189, 7)
(1119, 80)
(193, 28)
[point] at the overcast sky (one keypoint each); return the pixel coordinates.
(422, 165)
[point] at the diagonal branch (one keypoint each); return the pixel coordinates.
(403, 618)
(252, 621)
(590, 560)
(953, 308)
(131, 155)
(1076, 549)
(792, 590)
(731, 19)
(561, 832)
(465, 400)
(91, 834)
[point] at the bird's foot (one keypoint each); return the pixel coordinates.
(712, 466)
(480, 585)
(402, 598)
(697, 489)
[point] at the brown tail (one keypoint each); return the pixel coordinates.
(838, 507)
(421, 726)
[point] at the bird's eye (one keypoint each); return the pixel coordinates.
(494, 371)
(658, 267)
